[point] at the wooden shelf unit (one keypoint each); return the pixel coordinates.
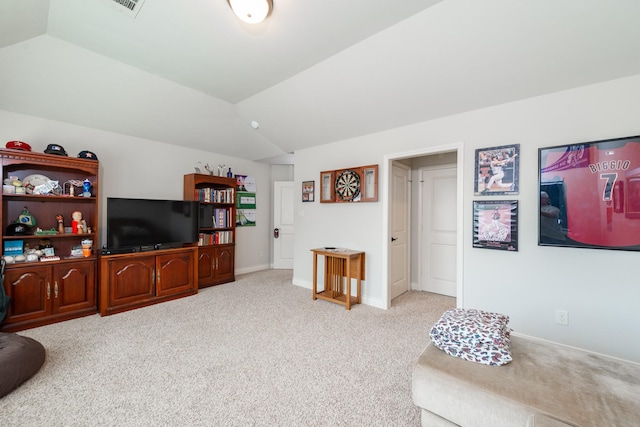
(52, 291)
(216, 258)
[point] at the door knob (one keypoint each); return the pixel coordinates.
(393, 239)
(276, 232)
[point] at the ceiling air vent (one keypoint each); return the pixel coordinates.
(130, 7)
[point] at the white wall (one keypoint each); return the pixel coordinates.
(134, 167)
(599, 288)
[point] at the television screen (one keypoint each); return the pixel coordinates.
(590, 194)
(151, 224)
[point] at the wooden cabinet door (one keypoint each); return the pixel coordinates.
(31, 293)
(175, 273)
(74, 287)
(206, 265)
(224, 263)
(131, 281)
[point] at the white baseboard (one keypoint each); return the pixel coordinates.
(302, 283)
(252, 269)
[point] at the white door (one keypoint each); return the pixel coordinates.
(399, 218)
(283, 224)
(438, 237)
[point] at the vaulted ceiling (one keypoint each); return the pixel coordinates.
(190, 73)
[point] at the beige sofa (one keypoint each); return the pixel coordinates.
(546, 385)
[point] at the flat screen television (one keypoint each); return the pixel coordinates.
(147, 224)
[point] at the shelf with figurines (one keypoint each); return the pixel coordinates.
(24, 240)
(39, 186)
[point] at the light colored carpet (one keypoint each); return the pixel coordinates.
(256, 352)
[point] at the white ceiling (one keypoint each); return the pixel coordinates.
(189, 73)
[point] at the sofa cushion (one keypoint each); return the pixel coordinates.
(564, 384)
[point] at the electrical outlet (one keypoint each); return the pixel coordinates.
(562, 317)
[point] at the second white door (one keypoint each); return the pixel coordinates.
(439, 234)
(283, 224)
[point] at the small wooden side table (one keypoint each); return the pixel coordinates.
(340, 266)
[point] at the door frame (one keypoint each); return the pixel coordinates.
(386, 214)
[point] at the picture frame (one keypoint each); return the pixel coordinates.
(369, 190)
(590, 194)
(495, 224)
(497, 170)
(308, 191)
(326, 187)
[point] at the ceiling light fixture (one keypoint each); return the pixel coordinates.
(251, 11)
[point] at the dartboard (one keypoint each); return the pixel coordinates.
(348, 185)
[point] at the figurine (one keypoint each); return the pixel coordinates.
(86, 188)
(60, 220)
(78, 225)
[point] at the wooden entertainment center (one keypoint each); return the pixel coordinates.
(135, 280)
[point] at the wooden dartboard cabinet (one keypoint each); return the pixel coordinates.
(356, 184)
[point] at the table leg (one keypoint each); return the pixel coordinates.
(348, 284)
(358, 270)
(315, 275)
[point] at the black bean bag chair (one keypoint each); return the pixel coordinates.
(20, 358)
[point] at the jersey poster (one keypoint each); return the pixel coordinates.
(596, 187)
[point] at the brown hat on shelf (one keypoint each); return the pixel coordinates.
(18, 145)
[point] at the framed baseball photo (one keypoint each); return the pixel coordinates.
(497, 170)
(590, 194)
(495, 224)
(308, 191)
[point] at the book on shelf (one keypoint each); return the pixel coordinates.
(213, 195)
(222, 218)
(215, 238)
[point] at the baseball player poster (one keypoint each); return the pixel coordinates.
(497, 170)
(495, 224)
